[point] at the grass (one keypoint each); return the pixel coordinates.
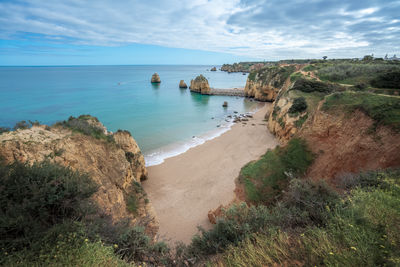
(295, 76)
(361, 228)
(384, 110)
(265, 178)
(301, 121)
(353, 73)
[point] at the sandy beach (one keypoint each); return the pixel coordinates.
(185, 187)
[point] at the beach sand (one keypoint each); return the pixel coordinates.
(185, 187)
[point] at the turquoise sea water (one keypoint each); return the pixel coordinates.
(163, 119)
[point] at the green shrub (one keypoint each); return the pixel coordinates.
(301, 121)
(298, 106)
(265, 178)
(33, 198)
(359, 229)
(4, 130)
(134, 245)
(308, 86)
(350, 72)
(83, 124)
(387, 80)
(21, 125)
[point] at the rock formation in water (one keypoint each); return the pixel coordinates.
(113, 161)
(200, 85)
(182, 84)
(213, 69)
(155, 78)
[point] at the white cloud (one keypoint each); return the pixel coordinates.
(261, 29)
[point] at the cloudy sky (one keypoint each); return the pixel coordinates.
(38, 32)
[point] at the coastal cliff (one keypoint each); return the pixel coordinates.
(264, 84)
(348, 131)
(113, 161)
(200, 85)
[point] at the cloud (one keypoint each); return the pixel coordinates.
(265, 29)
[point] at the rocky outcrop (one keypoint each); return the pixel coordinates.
(116, 164)
(200, 85)
(182, 84)
(213, 69)
(155, 78)
(265, 84)
(341, 141)
(244, 66)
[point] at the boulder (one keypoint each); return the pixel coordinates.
(182, 84)
(214, 69)
(200, 85)
(155, 78)
(225, 104)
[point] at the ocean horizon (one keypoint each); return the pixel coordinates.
(163, 119)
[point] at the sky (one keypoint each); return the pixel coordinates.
(102, 32)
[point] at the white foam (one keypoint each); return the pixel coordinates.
(158, 156)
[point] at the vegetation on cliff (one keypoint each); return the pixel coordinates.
(383, 109)
(48, 218)
(265, 178)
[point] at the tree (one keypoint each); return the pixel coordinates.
(325, 57)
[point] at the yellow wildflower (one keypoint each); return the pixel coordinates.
(86, 240)
(353, 248)
(115, 245)
(330, 253)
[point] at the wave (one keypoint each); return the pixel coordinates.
(158, 156)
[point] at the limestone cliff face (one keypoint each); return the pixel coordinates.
(200, 85)
(341, 142)
(117, 167)
(265, 84)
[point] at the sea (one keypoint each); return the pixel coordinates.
(163, 119)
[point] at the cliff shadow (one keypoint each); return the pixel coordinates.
(199, 99)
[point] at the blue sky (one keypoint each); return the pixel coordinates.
(75, 32)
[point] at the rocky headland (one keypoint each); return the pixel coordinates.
(113, 160)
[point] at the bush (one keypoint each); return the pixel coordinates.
(308, 86)
(298, 106)
(360, 229)
(4, 130)
(21, 125)
(84, 124)
(387, 80)
(265, 178)
(349, 72)
(134, 245)
(34, 198)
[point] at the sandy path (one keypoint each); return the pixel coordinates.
(184, 188)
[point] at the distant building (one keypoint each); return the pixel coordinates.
(392, 58)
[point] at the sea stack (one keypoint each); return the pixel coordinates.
(155, 78)
(200, 85)
(182, 84)
(214, 69)
(225, 104)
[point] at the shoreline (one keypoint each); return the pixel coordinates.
(158, 156)
(185, 187)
